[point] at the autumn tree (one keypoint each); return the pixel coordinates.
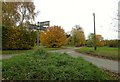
(78, 37)
(17, 12)
(10, 15)
(54, 36)
(99, 40)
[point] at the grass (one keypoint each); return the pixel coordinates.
(104, 52)
(13, 52)
(44, 65)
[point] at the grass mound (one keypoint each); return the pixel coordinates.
(50, 66)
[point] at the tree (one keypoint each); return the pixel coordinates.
(90, 41)
(54, 36)
(10, 15)
(27, 12)
(17, 12)
(78, 37)
(99, 40)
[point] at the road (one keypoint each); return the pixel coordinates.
(99, 62)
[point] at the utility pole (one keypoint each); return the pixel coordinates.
(95, 46)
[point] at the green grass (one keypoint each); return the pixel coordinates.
(105, 52)
(50, 66)
(13, 52)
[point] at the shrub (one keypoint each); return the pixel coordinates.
(89, 43)
(16, 38)
(112, 43)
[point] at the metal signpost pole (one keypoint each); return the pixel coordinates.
(38, 38)
(41, 27)
(38, 35)
(38, 27)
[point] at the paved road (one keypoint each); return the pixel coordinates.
(102, 63)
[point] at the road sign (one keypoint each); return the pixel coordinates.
(40, 26)
(45, 23)
(33, 27)
(43, 28)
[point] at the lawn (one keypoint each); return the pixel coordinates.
(104, 52)
(44, 65)
(13, 52)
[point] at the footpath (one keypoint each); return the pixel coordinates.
(99, 62)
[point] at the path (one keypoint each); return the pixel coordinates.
(102, 63)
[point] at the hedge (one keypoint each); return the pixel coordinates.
(17, 38)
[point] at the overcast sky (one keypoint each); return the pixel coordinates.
(68, 13)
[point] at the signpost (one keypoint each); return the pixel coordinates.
(45, 23)
(41, 27)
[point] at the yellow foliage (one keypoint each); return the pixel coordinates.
(54, 36)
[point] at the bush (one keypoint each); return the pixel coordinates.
(112, 43)
(89, 43)
(16, 38)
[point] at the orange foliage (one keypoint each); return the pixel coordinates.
(100, 41)
(54, 36)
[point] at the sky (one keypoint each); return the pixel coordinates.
(68, 13)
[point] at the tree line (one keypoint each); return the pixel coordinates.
(16, 17)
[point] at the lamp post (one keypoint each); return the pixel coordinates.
(95, 47)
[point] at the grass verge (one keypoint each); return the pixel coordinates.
(50, 66)
(13, 52)
(104, 52)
